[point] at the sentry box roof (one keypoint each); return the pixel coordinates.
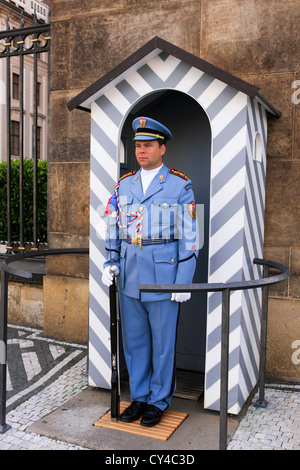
(142, 56)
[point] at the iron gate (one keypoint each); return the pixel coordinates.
(32, 40)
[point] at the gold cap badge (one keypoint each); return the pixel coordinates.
(142, 122)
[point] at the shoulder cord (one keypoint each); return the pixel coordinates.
(133, 215)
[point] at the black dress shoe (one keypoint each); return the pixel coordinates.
(152, 416)
(133, 411)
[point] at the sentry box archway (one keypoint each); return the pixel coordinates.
(219, 123)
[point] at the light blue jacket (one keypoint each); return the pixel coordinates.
(168, 210)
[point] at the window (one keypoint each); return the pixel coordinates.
(16, 86)
(257, 147)
(38, 141)
(38, 93)
(15, 138)
(39, 133)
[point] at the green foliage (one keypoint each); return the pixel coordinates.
(27, 200)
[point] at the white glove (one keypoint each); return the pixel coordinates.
(181, 296)
(108, 274)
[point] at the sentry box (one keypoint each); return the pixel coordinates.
(219, 124)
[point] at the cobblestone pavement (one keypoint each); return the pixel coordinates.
(43, 374)
(34, 361)
(276, 427)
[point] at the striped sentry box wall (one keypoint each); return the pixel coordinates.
(239, 132)
(236, 238)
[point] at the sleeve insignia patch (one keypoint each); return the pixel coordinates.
(188, 186)
(192, 209)
(130, 173)
(179, 173)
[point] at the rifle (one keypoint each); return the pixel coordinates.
(114, 334)
(114, 338)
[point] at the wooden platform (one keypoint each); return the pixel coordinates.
(171, 420)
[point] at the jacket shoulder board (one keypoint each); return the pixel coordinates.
(130, 173)
(179, 173)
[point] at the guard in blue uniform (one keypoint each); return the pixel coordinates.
(152, 238)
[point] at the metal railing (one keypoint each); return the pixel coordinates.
(24, 41)
(6, 270)
(224, 288)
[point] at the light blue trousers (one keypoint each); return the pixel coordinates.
(149, 342)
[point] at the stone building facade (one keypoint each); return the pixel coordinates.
(256, 41)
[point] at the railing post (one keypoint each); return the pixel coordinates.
(3, 347)
(21, 99)
(35, 143)
(262, 402)
(9, 148)
(224, 369)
